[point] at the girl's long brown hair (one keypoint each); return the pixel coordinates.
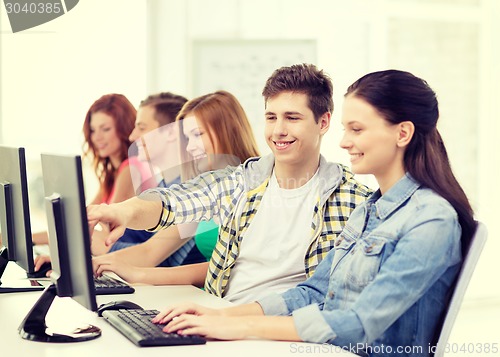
(227, 125)
(123, 113)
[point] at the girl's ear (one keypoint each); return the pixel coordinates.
(405, 133)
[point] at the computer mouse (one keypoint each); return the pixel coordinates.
(117, 305)
(42, 272)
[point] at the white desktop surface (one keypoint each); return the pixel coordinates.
(15, 276)
(15, 306)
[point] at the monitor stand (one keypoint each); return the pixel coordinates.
(4, 260)
(33, 327)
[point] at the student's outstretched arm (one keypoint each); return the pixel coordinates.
(135, 213)
(191, 274)
(40, 238)
(148, 254)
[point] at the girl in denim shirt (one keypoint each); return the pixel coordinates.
(384, 288)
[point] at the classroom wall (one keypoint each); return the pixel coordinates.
(51, 74)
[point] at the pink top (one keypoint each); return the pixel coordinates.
(143, 169)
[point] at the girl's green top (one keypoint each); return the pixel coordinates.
(206, 237)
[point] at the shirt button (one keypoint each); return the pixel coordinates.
(331, 294)
(337, 243)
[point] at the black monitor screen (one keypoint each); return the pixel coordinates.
(15, 226)
(69, 240)
(69, 246)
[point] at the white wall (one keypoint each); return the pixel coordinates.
(52, 73)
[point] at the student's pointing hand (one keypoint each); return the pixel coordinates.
(109, 215)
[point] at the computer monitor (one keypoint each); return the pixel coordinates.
(69, 244)
(15, 223)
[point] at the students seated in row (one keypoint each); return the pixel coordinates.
(214, 132)
(278, 215)
(155, 111)
(107, 126)
(386, 283)
(155, 140)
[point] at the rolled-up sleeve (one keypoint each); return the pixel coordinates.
(199, 199)
(273, 305)
(311, 324)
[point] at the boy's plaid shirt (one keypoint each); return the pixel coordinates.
(231, 197)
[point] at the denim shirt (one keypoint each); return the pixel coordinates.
(384, 288)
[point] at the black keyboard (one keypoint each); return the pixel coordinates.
(106, 285)
(136, 325)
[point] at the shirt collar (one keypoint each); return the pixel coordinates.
(390, 201)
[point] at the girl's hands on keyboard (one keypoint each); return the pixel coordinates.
(210, 326)
(193, 319)
(232, 323)
(175, 311)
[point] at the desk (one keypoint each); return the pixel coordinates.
(15, 277)
(15, 306)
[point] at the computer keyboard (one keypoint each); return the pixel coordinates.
(136, 325)
(106, 285)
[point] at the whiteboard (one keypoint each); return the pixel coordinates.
(242, 67)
